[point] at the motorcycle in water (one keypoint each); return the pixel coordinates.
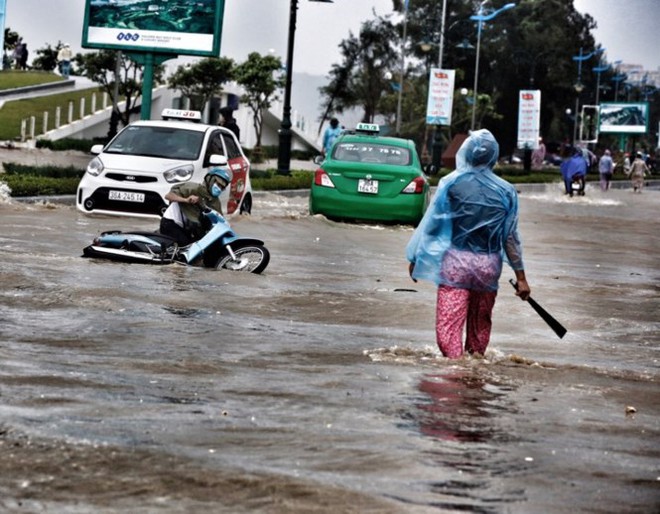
(219, 248)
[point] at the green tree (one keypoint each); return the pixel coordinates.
(101, 67)
(202, 80)
(260, 76)
(11, 38)
(368, 71)
(530, 46)
(47, 57)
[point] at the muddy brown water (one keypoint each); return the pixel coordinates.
(317, 387)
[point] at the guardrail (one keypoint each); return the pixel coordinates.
(29, 128)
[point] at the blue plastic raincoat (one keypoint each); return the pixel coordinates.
(473, 214)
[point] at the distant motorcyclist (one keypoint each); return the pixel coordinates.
(181, 220)
(574, 169)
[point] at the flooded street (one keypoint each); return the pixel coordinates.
(317, 386)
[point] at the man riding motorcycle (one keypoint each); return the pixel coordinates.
(181, 221)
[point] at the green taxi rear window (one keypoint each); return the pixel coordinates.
(371, 153)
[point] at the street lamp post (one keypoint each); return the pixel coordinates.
(480, 18)
(436, 148)
(599, 70)
(284, 150)
(579, 86)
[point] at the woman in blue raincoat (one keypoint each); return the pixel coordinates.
(469, 229)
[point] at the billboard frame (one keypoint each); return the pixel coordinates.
(621, 129)
(128, 45)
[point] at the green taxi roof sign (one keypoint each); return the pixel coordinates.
(369, 128)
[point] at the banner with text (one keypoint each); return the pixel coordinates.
(529, 119)
(441, 97)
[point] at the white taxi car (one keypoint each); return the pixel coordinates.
(131, 175)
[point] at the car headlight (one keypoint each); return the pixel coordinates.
(180, 174)
(95, 167)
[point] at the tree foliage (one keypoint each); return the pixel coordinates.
(365, 75)
(261, 76)
(46, 59)
(101, 67)
(202, 80)
(528, 47)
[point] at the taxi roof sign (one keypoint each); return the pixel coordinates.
(181, 114)
(369, 128)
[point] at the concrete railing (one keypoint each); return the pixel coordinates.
(30, 129)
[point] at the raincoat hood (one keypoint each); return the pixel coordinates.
(473, 211)
(479, 152)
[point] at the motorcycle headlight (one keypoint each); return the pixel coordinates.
(180, 174)
(95, 167)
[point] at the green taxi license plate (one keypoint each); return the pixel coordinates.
(367, 186)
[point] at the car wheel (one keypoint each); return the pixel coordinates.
(246, 205)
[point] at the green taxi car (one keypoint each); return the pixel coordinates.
(372, 178)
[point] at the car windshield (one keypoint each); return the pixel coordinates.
(164, 142)
(371, 153)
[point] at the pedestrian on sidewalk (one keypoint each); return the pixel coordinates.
(330, 135)
(228, 121)
(64, 57)
(637, 173)
(467, 232)
(605, 169)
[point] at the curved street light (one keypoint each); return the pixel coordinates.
(481, 18)
(599, 70)
(579, 86)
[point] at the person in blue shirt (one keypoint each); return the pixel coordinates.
(605, 170)
(467, 232)
(330, 135)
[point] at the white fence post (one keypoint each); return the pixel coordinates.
(45, 124)
(33, 122)
(23, 129)
(105, 100)
(70, 114)
(82, 108)
(58, 114)
(93, 103)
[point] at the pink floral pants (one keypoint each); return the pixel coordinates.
(457, 308)
(470, 305)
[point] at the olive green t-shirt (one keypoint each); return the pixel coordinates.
(191, 211)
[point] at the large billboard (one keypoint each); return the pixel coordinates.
(624, 118)
(182, 27)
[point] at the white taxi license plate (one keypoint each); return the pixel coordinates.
(367, 186)
(125, 196)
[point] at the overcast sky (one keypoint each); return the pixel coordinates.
(627, 28)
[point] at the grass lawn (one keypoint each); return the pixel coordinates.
(13, 112)
(10, 79)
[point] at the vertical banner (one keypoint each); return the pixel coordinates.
(529, 119)
(441, 97)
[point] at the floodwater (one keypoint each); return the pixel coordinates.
(317, 386)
